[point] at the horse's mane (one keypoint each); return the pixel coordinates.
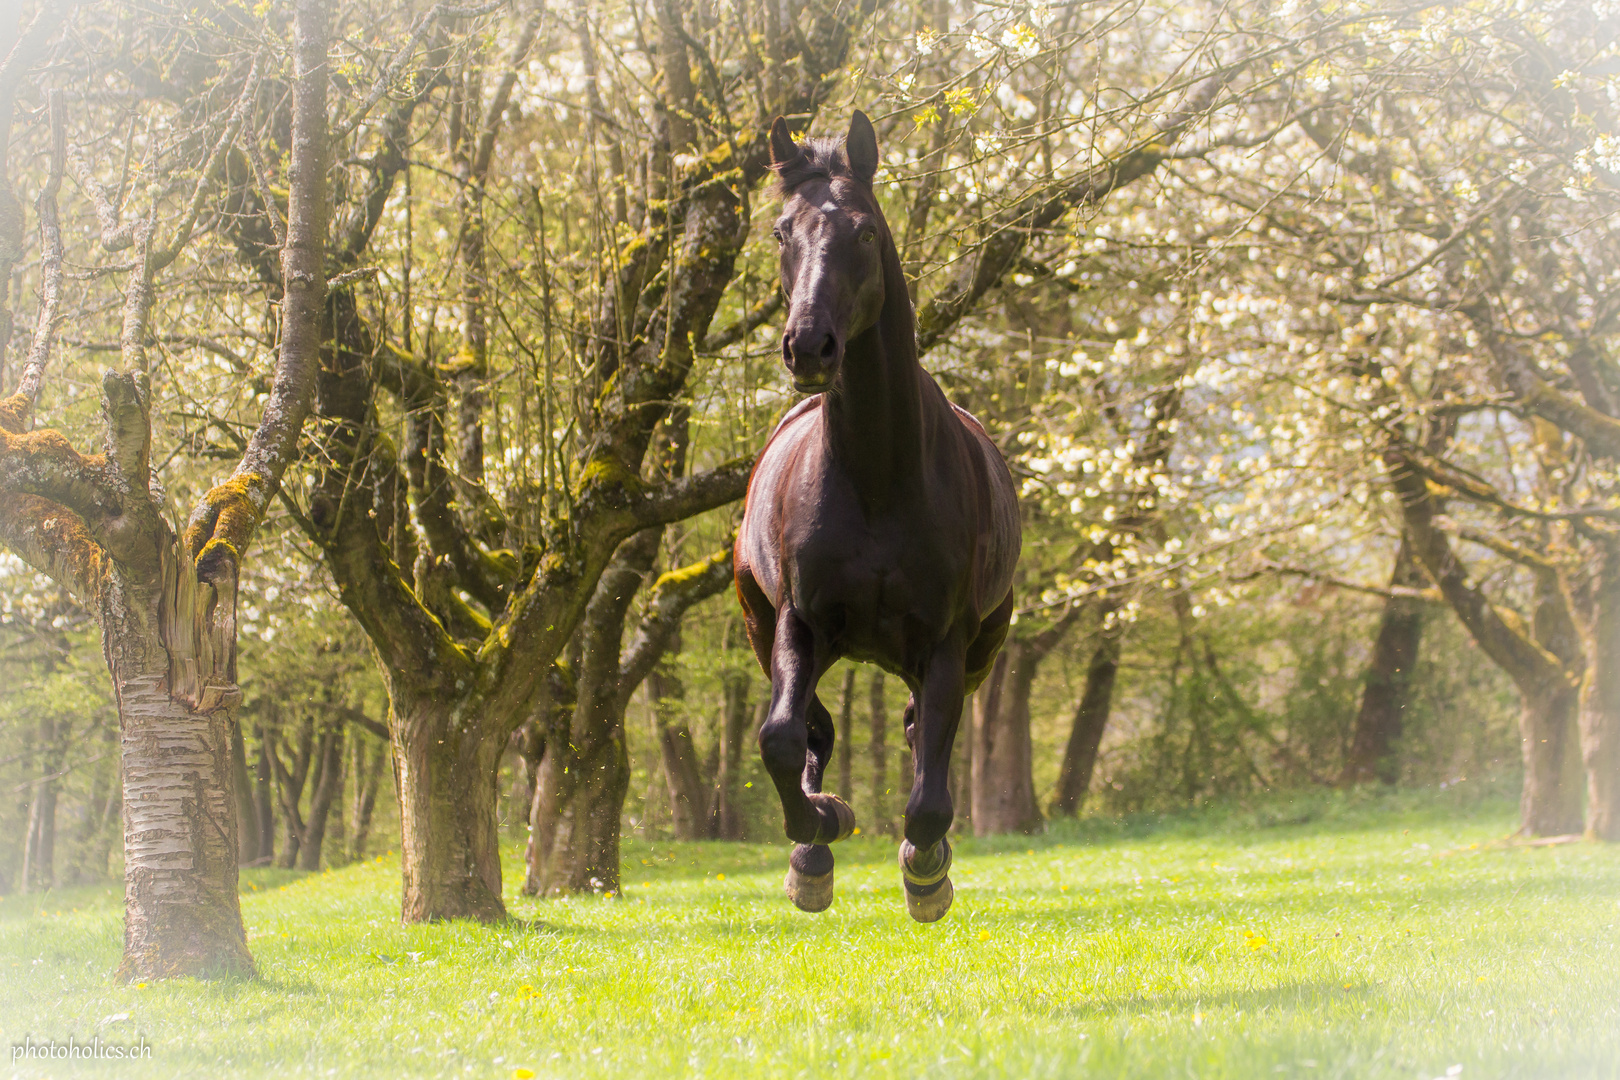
(818, 158)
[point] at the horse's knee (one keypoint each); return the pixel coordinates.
(783, 745)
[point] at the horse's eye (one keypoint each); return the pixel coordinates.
(780, 239)
(868, 236)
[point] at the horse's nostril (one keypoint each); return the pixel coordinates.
(829, 347)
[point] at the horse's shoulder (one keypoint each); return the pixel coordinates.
(793, 416)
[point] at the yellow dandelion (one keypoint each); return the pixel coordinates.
(984, 935)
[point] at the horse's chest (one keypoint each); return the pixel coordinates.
(871, 585)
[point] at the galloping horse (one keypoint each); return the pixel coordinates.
(881, 522)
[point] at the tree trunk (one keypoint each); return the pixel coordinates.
(1545, 664)
(550, 794)
(1600, 701)
(1550, 801)
(1387, 688)
(1090, 721)
(1002, 786)
(846, 737)
(290, 783)
(181, 913)
(39, 839)
(683, 772)
(247, 821)
(735, 717)
(328, 782)
(526, 745)
(449, 838)
(877, 733)
(264, 813)
(1001, 792)
(367, 772)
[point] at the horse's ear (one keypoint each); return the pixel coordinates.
(783, 148)
(860, 147)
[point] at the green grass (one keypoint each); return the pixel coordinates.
(1329, 938)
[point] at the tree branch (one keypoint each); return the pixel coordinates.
(224, 521)
(673, 595)
(1009, 233)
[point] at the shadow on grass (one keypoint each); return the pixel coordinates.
(1275, 815)
(1291, 996)
(75, 900)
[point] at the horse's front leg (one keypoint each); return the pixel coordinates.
(811, 818)
(925, 854)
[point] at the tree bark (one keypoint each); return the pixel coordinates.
(242, 784)
(1001, 785)
(1002, 781)
(877, 751)
(39, 839)
(683, 771)
(290, 783)
(1600, 700)
(846, 736)
(367, 772)
(328, 783)
(1090, 722)
(264, 814)
(735, 715)
(1387, 688)
(449, 838)
(1543, 660)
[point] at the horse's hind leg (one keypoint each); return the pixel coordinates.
(795, 743)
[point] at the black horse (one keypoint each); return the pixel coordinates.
(881, 522)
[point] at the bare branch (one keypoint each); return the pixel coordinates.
(50, 258)
(226, 518)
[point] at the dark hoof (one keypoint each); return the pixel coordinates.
(843, 818)
(809, 881)
(929, 903)
(929, 891)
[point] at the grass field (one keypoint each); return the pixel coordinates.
(1392, 936)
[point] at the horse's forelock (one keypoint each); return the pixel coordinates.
(818, 159)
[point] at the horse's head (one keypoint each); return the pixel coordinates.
(832, 235)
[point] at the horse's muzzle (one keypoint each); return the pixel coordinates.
(811, 352)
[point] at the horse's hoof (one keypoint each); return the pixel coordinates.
(843, 814)
(809, 881)
(928, 892)
(932, 902)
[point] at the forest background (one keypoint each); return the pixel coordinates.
(438, 339)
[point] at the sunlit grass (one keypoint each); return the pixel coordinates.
(1398, 939)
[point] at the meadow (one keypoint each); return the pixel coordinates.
(1390, 936)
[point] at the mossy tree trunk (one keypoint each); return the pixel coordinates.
(582, 854)
(166, 603)
(475, 629)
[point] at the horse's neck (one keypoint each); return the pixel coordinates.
(875, 414)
